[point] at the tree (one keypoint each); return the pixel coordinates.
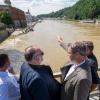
(5, 18)
(83, 9)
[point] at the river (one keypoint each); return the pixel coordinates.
(45, 36)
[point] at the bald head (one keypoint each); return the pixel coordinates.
(32, 52)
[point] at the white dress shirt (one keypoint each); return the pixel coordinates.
(9, 88)
(72, 69)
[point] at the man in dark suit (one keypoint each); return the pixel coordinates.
(76, 77)
(36, 80)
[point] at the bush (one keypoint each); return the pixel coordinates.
(6, 18)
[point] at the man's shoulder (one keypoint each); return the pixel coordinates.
(90, 61)
(28, 73)
(65, 66)
(48, 68)
(84, 74)
(86, 66)
(26, 69)
(6, 77)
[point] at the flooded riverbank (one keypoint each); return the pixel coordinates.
(45, 36)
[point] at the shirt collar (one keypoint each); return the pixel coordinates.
(77, 65)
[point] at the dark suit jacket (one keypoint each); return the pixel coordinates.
(93, 57)
(37, 83)
(77, 85)
(94, 68)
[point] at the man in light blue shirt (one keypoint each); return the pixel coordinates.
(9, 88)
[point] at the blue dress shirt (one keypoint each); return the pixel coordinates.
(9, 88)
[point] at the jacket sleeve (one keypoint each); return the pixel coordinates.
(64, 46)
(95, 76)
(82, 89)
(38, 90)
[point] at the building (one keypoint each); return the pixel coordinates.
(29, 17)
(4, 7)
(8, 2)
(18, 16)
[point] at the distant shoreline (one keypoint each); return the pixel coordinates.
(72, 20)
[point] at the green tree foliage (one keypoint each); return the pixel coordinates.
(83, 9)
(6, 18)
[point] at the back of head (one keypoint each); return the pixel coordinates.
(3, 59)
(30, 52)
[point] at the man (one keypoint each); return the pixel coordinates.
(9, 88)
(36, 80)
(10, 68)
(76, 77)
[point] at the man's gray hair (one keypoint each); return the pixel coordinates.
(78, 47)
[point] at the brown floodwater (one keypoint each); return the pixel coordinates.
(45, 36)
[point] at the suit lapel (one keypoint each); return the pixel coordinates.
(64, 71)
(73, 74)
(78, 69)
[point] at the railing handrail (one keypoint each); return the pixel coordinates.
(57, 74)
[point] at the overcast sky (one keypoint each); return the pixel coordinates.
(42, 6)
